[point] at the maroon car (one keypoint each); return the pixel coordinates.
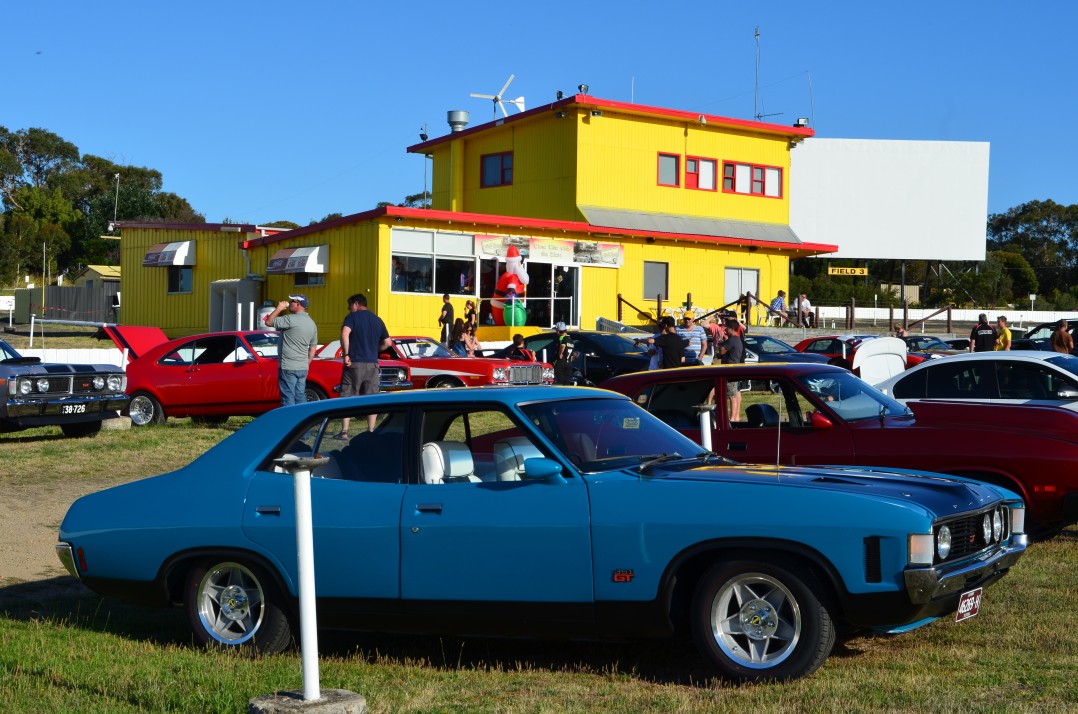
(221, 374)
(802, 414)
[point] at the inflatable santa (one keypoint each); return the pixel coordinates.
(507, 303)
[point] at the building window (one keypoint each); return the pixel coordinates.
(700, 173)
(655, 280)
(668, 169)
(752, 179)
(179, 279)
(429, 263)
(305, 280)
(496, 170)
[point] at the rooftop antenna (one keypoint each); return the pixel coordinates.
(756, 104)
(496, 99)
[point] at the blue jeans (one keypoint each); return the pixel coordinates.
(293, 383)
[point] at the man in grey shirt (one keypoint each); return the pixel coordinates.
(299, 338)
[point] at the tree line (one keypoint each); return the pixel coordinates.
(57, 204)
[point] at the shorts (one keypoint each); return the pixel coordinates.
(360, 378)
(732, 388)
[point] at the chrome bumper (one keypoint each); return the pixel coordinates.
(923, 585)
(95, 404)
(67, 557)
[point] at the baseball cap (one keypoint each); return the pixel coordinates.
(560, 326)
(689, 315)
(300, 298)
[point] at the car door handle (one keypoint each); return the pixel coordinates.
(737, 446)
(268, 510)
(429, 508)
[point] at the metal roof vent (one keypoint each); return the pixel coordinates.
(458, 119)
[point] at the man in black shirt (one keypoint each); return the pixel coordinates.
(732, 351)
(670, 343)
(983, 337)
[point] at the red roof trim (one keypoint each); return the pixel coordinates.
(522, 223)
(589, 102)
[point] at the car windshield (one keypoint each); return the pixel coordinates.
(606, 434)
(928, 344)
(768, 345)
(610, 343)
(1065, 362)
(418, 349)
(8, 352)
(850, 397)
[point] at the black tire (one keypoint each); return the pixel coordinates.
(210, 420)
(144, 410)
(315, 393)
(444, 382)
(231, 605)
(80, 429)
(758, 621)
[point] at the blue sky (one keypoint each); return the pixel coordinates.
(268, 111)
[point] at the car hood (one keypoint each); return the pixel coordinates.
(136, 339)
(943, 495)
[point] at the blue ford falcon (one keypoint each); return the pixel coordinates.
(552, 511)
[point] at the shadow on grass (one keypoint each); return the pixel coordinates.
(66, 602)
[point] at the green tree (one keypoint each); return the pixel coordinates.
(1045, 233)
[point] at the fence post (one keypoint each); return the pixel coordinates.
(619, 307)
(949, 331)
(905, 312)
(890, 316)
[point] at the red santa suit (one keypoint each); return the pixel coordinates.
(509, 292)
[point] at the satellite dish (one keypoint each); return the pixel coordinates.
(496, 99)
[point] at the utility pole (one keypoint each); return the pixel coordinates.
(116, 203)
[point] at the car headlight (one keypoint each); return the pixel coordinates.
(43, 384)
(997, 524)
(99, 383)
(25, 387)
(986, 528)
(501, 374)
(921, 549)
(1018, 519)
(402, 375)
(943, 542)
(548, 374)
(115, 383)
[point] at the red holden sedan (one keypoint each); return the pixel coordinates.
(433, 366)
(221, 374)
(804, 414)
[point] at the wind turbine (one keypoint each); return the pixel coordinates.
(497, 99)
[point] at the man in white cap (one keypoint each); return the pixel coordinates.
(299, 338)
(563, 368)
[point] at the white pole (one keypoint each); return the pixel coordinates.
(705, 424)
(239, 316)
(251, 311)
(32, 324)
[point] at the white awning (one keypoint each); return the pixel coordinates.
(309, 259)
(164, 255)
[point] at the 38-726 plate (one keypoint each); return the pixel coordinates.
(73, 409)
(969, 604)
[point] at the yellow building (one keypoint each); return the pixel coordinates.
(603, 199)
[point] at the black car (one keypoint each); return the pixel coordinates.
(768, 349)
(1040, 337)
(598, 356)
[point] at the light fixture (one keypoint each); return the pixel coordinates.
(560, 114)
(596, 112)
(583, 88)
(702, 119)
(801, 121)
(560, 94)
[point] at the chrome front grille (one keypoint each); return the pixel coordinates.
(526, 374)
(967, 533)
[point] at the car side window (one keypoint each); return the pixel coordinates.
(541, 344)
(480, 445)
(185, 354)
(675, 402)
(769, 404)
(356, 452)
(1020, 380)
(219, 349)
(962, 380)
(913, 385)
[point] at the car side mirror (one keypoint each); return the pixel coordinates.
(542, 469)
(819, 421)
(1067, 393)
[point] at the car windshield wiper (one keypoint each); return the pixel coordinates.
(652, 460)
(708, 455)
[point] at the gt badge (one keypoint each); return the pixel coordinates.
(623, 576)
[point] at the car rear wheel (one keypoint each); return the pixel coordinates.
(230, 606)
(757, 621)
(444, 383)
(82, 428)
(144, 409)
(315, 393)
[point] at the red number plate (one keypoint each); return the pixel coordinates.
(969, 604)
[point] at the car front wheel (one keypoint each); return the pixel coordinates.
(230, 606)
(144, 409)
(757, 621)
(315, 393)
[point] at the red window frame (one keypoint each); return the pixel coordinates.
(692, 177)
(659, 170)
(753, 181)
(504, 172)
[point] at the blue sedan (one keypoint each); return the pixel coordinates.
(769, 349)
(554, 511)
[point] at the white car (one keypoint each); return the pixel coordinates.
(1022, 377)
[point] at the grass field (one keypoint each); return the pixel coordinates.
(63, 649)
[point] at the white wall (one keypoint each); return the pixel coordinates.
(912, 200)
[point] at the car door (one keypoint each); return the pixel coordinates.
(222, 372)
(355, 503)
(471, 532)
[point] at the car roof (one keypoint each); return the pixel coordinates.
(1003, 355)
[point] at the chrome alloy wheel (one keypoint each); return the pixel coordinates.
(755, 620)
(230, 603)
(142, 410)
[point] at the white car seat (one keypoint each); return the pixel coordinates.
(447, 461)
(509, 455)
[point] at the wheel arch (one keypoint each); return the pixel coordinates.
(996, 478)
(683, 574)
(173, 572)
(440, 381)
